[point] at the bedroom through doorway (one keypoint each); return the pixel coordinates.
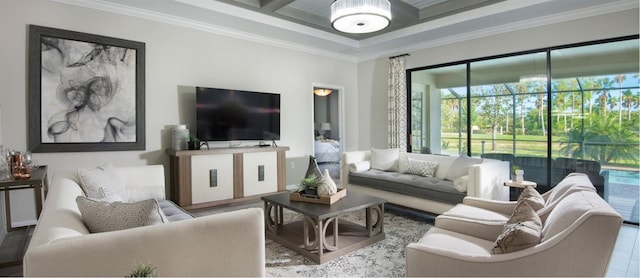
(328, 129)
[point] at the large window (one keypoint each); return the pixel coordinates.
(549, 112)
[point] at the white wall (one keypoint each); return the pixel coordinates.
(372, 75)
(177, 59)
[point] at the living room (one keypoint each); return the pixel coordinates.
(184, 54)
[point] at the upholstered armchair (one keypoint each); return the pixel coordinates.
(577, 239)
(486, 218)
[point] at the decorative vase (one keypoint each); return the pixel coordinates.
(326, 186)
(519, 175)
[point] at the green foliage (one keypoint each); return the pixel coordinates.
(143, 270)
(309, 182)
(604, 141)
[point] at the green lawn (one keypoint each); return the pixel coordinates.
(525, 145)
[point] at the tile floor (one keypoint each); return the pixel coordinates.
(625, 259)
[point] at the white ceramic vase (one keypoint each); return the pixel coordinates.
(326, 186)
(519, 175)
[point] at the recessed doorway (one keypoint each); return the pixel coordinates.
(328, 128)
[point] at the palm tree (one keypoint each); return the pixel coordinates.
(629, 100)
(620, 78)
(603, 85)
(604, 142)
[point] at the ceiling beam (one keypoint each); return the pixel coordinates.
(273, 5)
(403, 13)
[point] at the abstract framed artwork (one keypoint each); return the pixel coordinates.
(86, 92)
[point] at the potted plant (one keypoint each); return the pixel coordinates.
(519, 173)
(143, 270)
(308, 185)
(194, 143)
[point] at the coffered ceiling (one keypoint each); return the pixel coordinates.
(304, 24)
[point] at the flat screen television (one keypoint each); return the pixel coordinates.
(230, 115)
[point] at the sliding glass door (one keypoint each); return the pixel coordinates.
(549, 112)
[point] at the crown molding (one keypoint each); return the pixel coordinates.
(116, 8)
(613, 7)
(359, 51)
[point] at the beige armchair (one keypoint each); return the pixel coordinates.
(578, 238)
(486, 217)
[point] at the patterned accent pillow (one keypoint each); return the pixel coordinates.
(421, 167)
(101, 216)
(102, 183)
(532, 197)
(522, 230)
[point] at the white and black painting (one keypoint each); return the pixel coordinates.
(87, 92)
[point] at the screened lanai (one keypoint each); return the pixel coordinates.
(543, 110)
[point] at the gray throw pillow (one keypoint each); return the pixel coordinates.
(101, 216)
(522, 230)
(460, 167)
(532, 197)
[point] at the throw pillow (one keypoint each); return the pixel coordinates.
(460, 167)
(461, 183)
(102, 183)
(421, 167)
(360, 166)
(522, 230)
(385, 159)
(532, 197)
(100, 216)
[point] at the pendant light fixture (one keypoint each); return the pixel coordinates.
(360, 16)
(322, 92)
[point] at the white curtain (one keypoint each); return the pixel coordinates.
(397, 107)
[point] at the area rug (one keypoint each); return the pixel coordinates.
(385, 258)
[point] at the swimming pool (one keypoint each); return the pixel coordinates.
(624, 177)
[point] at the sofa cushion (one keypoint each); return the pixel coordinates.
(420, 167)
(522, 230)
(430, 188)
(102, 183)
(173, 212)
(461, 183)
(360, 166)
(573, 181)
(385, 159)
(568, 210)
(460, 167)
(100, 216)
(532, 197)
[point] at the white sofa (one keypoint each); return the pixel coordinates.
(485, 180)
(225, 244)
(579, 231)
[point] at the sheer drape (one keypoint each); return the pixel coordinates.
(397, 106)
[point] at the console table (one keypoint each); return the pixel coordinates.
(37, 181)
(220, 176)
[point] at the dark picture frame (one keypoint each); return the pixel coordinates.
(86, 92)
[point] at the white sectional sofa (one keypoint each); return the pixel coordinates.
(431, 194)
(226, 244)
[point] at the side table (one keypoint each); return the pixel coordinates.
(37, 181)
(519, 186)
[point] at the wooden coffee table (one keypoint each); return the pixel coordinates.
(321, 236)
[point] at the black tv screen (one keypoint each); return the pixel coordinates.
(229, 115)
